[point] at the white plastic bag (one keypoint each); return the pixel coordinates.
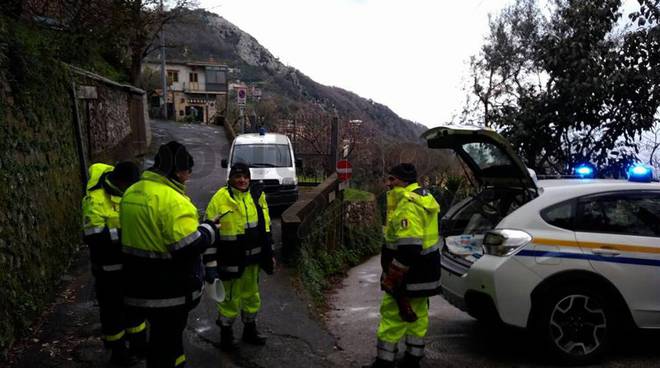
(215, 291)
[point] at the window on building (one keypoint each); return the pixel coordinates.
(172, 76)
(193, 77)
(216, 79)
(628, 213)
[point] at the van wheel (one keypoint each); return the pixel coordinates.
(575, 324)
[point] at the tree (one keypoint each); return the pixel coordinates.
(651, 145)
(567, 88)
(98, 34)
(140, 22)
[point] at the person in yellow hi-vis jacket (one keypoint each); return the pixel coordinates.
(411, 268)
(101, 230)
(162, 245)
(243, 247)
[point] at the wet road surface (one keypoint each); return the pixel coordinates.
(454, 338)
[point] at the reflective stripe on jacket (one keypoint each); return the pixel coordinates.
(159, 226)
(411, 237)
(241, 241)
(100, 209)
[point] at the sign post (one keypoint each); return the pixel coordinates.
(344, 170)
(241, 101)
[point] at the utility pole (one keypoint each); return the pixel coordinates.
(242, 114)
(163, 72)
(334, 137)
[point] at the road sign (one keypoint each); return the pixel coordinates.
(344, 170)
(241, 96)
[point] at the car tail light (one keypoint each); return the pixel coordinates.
(504, 242)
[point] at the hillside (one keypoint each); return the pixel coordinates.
(202, 35)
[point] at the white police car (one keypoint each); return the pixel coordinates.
(572, 259)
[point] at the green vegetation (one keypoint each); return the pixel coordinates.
(356, 195)
(568, 82)
(310, 179)
(40, 184)
(325, 254)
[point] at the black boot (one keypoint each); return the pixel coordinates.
(251, 335)
(227, 342)
(380, 363)
(409, 361)
(120, 355)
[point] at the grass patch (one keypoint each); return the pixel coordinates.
(356, 195)
(310, 179)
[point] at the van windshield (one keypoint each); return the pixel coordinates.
(262, 155)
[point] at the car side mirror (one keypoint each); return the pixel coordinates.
(299, 163)
(224, 163)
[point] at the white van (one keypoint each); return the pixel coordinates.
(272, 164)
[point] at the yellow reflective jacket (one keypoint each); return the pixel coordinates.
(162, 242)
(243, 239)
(100, 209)
(95, 171)
(411, 237)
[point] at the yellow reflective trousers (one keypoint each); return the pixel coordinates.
(241, 296)
(392, 329)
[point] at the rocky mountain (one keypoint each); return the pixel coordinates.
(201, 35)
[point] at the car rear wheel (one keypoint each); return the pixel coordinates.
(575, 324)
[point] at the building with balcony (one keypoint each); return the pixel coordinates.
(196, 90)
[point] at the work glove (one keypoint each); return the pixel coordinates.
(406, 312)
(393, 279)
(210, 274)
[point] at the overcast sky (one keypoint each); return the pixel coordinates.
(410, 55)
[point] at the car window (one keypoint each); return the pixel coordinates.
(262, 155)
(486, 155)
(620, 213)
(561, 215)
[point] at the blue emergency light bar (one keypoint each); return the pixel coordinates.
(584, 171)
(640, 173)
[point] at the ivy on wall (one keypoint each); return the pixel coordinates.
(40, 188)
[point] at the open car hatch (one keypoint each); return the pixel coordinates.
(492, 160)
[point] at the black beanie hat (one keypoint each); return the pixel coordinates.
(406, 172)
(240, 168)
(173, 157)
(126, 172)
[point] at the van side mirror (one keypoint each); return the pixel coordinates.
(299, 163)
(223, 163)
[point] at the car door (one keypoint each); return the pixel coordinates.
(620, 234)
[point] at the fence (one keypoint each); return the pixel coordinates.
(298, 218)
(328, 233)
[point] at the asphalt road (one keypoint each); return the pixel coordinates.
(454, 338)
